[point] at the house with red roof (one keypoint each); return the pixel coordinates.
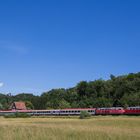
(18, 106)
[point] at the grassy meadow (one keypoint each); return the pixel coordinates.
(96, 128)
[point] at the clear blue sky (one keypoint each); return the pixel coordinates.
(47, 44)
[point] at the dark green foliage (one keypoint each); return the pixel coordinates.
(84, 115)
(117, 91)
(81, 88)
(29, 105)
(10, 116)
(17, 115)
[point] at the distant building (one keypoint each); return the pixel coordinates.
(18, 106)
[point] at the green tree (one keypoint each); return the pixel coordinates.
(64, 104)
(29, 105)
(81, 88)
(1, 107)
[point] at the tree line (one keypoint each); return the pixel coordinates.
(117, 91)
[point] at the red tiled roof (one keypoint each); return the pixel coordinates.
(19, 106)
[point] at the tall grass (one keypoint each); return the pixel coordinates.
(96, 128)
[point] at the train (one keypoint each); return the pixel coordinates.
(77, 111)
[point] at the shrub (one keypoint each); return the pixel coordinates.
(22, 115)
(84, 115)
(17, 115)
(10, 116)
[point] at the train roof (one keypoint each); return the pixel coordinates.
(134, 107)
(111, 108)
(79, 109)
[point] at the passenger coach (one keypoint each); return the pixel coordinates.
(77, 111)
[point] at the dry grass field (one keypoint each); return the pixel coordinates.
(96, 128)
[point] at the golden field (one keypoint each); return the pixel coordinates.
(96, 128)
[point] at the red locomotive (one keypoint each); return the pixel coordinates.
(110, 111)
(132, 111)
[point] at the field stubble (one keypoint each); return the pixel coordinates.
(96, 128)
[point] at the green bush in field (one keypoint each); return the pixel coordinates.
(84, 115)
(10, 116)
(17, 115)
(22, 115)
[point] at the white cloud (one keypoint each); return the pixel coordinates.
(1, 84)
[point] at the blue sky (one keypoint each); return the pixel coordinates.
(47, 44)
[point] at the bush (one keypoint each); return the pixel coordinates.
(22, 115)
(17, 115)
(84, 115)
(10, 116)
